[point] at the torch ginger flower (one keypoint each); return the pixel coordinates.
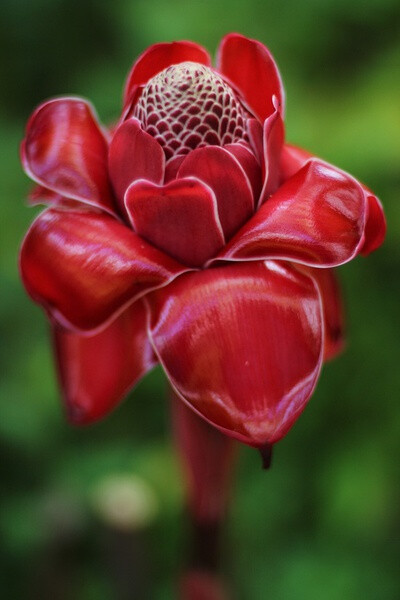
(191, 235)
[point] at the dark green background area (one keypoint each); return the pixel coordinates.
(323, 524)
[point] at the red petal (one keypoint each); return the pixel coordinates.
(160, 56)
(334, 325)
(249, 65)
(273, 138)
(179, 218)
(65, 151)
(172, 167)
(218, 169)
(83, 266)
(133, 155)
(317, 218)
(250, 166)
(207, 459)
(241, 344)
(42, 195)
(255, 132)
(292, 160)
(97, 371)
(375, 228)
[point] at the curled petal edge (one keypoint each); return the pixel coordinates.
(107, 204)
(58, 316)
(228, 253)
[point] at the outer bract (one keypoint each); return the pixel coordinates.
(193, 235)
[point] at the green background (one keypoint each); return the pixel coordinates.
(324, 522)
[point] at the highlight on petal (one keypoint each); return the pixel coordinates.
(273, 138)
(249, 65)
(179, 218)
(242, 345)
(333, 312)
(375, 228)
(316, 218)
(294, 158)
(207, 458)
(133, 155)
(222, 172)
(65, 151)
(96, 371)
(83, 267)
(160, 56)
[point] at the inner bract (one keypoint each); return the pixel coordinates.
(188, 106)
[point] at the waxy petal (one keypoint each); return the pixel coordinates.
(333, 313)
(179, 218)
(375, 228)
(273, 138)
(160, 56)
(207, 458)
(249, 65)
(294, 158)
(133, 155)
(42, 195)
(83, 267)
(65, 151)
(255, 133)
(222, 172)
(242, 345)
(172, 167)
(316, 218)
(250, 166)
(96, 371)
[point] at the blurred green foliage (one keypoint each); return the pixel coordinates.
(324, 522)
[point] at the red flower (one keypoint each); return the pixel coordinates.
(191, 235)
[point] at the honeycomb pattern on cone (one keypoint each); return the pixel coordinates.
(188, 106)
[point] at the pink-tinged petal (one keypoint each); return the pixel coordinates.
(96, 371)
(292, 160)
(42, 195)
(83, 266)
(65, 151)
(249, 65)
(179, 218)
(242, 345)
(133, 155)
(207, 457)
(316, 218)
(160, 56)
(273, 138)
(222, 172)
(250, 166)
(333, 312)
(375, 228)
